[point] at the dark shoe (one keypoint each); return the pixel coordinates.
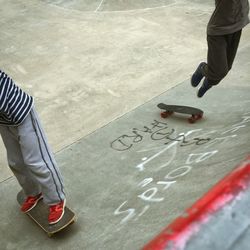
(204, 88)
(197, 75)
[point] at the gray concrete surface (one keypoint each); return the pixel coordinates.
(231, 225)
(75, 60)
(91, 64)
(129, 179)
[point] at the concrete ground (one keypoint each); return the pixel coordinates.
(97, 70)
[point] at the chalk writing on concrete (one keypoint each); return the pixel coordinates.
(151, 190)
(158, 131)
(141, 166)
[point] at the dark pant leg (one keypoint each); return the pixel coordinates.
(233, 44)
(217, 64)
(220, 57)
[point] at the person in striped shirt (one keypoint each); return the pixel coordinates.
(29, 155)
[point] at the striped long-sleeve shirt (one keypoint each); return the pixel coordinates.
(15, 104)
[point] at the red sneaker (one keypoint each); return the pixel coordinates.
(30, 202)
(56, 212)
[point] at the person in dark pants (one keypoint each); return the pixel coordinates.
(223, 36)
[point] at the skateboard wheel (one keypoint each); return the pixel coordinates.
(164, 114)
(191, 120)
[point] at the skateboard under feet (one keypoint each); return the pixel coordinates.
(39, 214)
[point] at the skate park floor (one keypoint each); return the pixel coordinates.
(128, 172)
(129, 179)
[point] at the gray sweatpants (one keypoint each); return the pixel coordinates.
(31, 160)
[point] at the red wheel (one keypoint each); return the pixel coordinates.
(164, 114)
(200, 116)
(197, 117)
(191, 120)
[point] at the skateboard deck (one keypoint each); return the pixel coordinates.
(39, 214)
(195, 113)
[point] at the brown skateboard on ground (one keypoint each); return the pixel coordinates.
(39, 214)
(195, 113)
